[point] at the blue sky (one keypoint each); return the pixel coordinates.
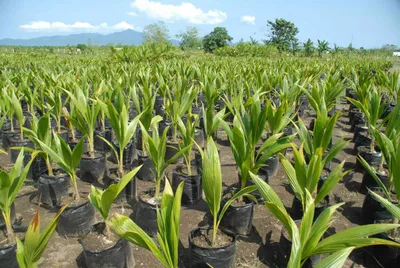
(367, 23)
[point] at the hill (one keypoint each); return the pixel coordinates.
(127, 37)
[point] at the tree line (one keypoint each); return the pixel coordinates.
(282, 34)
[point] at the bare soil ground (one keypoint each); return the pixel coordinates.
(260, 249)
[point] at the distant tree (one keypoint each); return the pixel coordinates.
(253, 41)
(156, 33)
(389, 47)
(309, 47)
(294, 47)
(350, 48)
(82, 47)
(219, 37)
(190, 39)
(282, 34)
(323, 46)
(336, 49)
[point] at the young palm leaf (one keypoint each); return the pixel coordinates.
(307, 240)
(67, 160)
(212, 185)
(10, 184)
(123, 129)
(87, 111)
(156, 147)
(166, 251)
(30, 251)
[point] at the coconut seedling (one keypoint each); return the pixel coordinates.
(187, 132)
(321, 133)
(212, 186)
(78, 217)
(18, 141)
(144, 104)
(211, 120)
(112, 252)
(156, 147)
(14, 101)
(388, 143)
(10, 184)
(85, 119)
(40, 130)
(307, 177)
(32, 248)
(52, 100)
(245, 134)
(370, 104)
(102, 200)
(168, 215)
(180, 100)
(67, 159)
(309, 239)
(186, 172)
(278, 117)
(68, 123)
(30, 94)
(8, 108)
(148, 200)
(124, 131)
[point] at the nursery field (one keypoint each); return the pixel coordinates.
(260, 249)
(199, 161)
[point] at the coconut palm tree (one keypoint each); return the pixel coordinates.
(323, 46)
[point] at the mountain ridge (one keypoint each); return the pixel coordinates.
(126, 37)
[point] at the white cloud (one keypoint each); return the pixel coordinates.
(184, 11)
(249, 19)
(123, 26)
(58, 26)
(77, 26)
(133, 14)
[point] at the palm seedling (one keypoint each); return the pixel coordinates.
(30, 251)
(212, 185)
(67, 159)
(102, 200)
(144, 104)
(124, 131)
(321, 134)
(306, 177)
(156, 147)
(10, 184)
(191, 176)
(211, 120)
(309, 239)
(168, 215)
(87, 111)
(8, 107)
(244, 135)
(178, 105)
(388, 142)
(278, 117)
(187, 132)
(52, 99)
(41, 130)
(371, 106)
(15, 103)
